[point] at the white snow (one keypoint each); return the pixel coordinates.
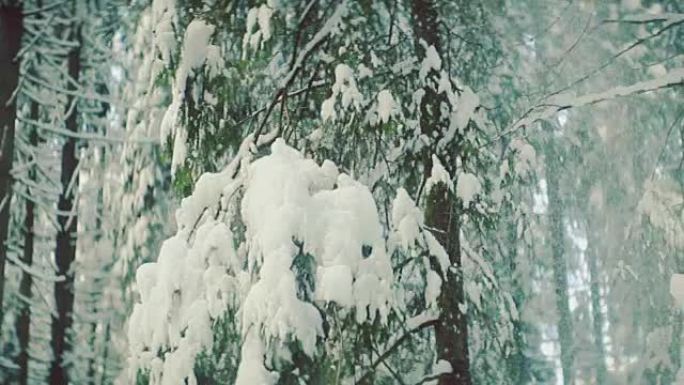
(631, 4)
(165, 40)
(364, 71)
(660, 202)
(196, 43)
(467, 103)
(438, 175)
(657, 70)
(467, 187)
(345, 84)
(250, 24)
(550, 107)
(264, 21)
(444, 84)
(420, 319)
(437, 250)
(179, 149)
(208, 188)
(375, 60)
(406, 219)
(257, 17)
(442, 367)
(417, 97)
(474, 292)
(328, 109)
(180, 293)
(386, 105)
(163, 12)
(525, 158)
(196, 49)
(290, 206)
(431, 61)
(677, 289)
(251, 370)
(288, 198)
(433, 288)
(335, 285)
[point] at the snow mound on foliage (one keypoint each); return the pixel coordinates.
(180, 293)
(438, 175)
(468, 187)
(293, 208)
(386, 105)
(312, 236)
(406, 219)
(432, 61)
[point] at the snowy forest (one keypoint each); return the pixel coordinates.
(341, 192)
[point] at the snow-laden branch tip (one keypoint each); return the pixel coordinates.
(33, 271)
(440, 368)
(428, 322)
(326, 30)
(85, 135)
(556, 103)
(40, 10)
(668, 18)
(318, 38)
(78, 93)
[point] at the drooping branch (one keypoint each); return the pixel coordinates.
(298, 63)
(668, 18)
(551, 106)
(671, 23)
(397, 343)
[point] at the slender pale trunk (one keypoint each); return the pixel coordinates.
(65, 251)
(442, 215)
(560, 268)
(11, 28)
(96, 296)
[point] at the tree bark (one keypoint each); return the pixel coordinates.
(24, 319)
(96, 296)
(443, 215)
(518, 363)
(65, 250)
(23, 325)
(105, 354)
(451, 329)
(11, 28)
(560, 269)
(597, 314)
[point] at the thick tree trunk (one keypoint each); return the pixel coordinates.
(518, 363)
(451, 330)
(92, 361)
(65, 251)
(24, 319)
(105, 354)
(560, 268)
(11, 27)
(597, 314)
(23, 325)
(443, 215)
